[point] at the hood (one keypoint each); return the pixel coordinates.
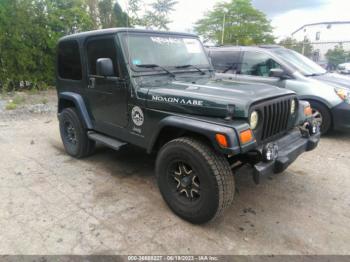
(334, 79)
(209, 97)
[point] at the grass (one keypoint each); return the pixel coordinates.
(15, 102)
(11, 106)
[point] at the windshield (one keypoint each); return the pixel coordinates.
(165, 51)
(299, 62)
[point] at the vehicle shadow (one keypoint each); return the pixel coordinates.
(129, 160)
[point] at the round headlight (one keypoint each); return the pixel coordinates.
(293, 106)
(254, 120)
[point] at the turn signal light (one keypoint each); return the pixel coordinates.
(246, 136)
(222, 140)
(308, 111)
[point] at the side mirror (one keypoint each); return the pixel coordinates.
(278, 73)
(104, 67)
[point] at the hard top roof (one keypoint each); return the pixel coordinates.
(101, 32)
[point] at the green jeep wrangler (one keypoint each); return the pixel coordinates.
(157, 90)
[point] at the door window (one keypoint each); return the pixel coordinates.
(257, 64)
(101, 48)
(225, 61)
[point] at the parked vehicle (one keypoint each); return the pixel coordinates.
(157, 90)
(344, 68)
(328, 94)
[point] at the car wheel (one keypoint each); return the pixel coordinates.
(74, 135)
(322, 115)
(194, 180)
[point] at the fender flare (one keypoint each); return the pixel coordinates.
(316, 99)
(79, 105)
(209, 130)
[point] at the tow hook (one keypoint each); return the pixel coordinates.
(305, 130)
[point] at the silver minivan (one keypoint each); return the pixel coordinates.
(328, 94)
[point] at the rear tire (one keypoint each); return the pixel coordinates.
(322, 114)
(73, 134)
(195, 180)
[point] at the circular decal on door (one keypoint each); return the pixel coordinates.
(137, 116)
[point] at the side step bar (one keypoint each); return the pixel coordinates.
(108, 141)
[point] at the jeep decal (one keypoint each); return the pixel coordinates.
(177, 100)
(137, 116)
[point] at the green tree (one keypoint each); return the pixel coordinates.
(105, 8)
(22, 44)
(134, 8)
(158, 16)
(303, 47)
(111, 14)
(337, 55)
(29, 31)
(93, 12)
(121, 18)
(68, 16)
(235, 22)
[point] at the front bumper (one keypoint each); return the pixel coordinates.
(341, 117)
(289, 148)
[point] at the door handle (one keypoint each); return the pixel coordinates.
(92, 83)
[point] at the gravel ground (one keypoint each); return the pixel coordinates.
(110, 204)
(30, 105)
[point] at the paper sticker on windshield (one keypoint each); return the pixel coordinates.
(165, 40)
(193, 46)
(136, 62)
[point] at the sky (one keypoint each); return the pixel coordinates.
(286, 15)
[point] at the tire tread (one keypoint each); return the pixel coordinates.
(87, 146)
(220, 167)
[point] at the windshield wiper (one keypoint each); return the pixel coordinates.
(156, 66)
(187, 66)
(230, 67)
(316, 74)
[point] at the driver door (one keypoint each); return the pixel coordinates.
(106, 96)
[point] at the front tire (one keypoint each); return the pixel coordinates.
(194, 180)
(322, 114)
(73, 134)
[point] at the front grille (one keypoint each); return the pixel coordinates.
(275, 116)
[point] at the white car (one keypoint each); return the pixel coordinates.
(344, 68)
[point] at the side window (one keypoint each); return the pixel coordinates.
(318, 36)
(257, 64)
(101, 48)
(225, 61)
(69, 63)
